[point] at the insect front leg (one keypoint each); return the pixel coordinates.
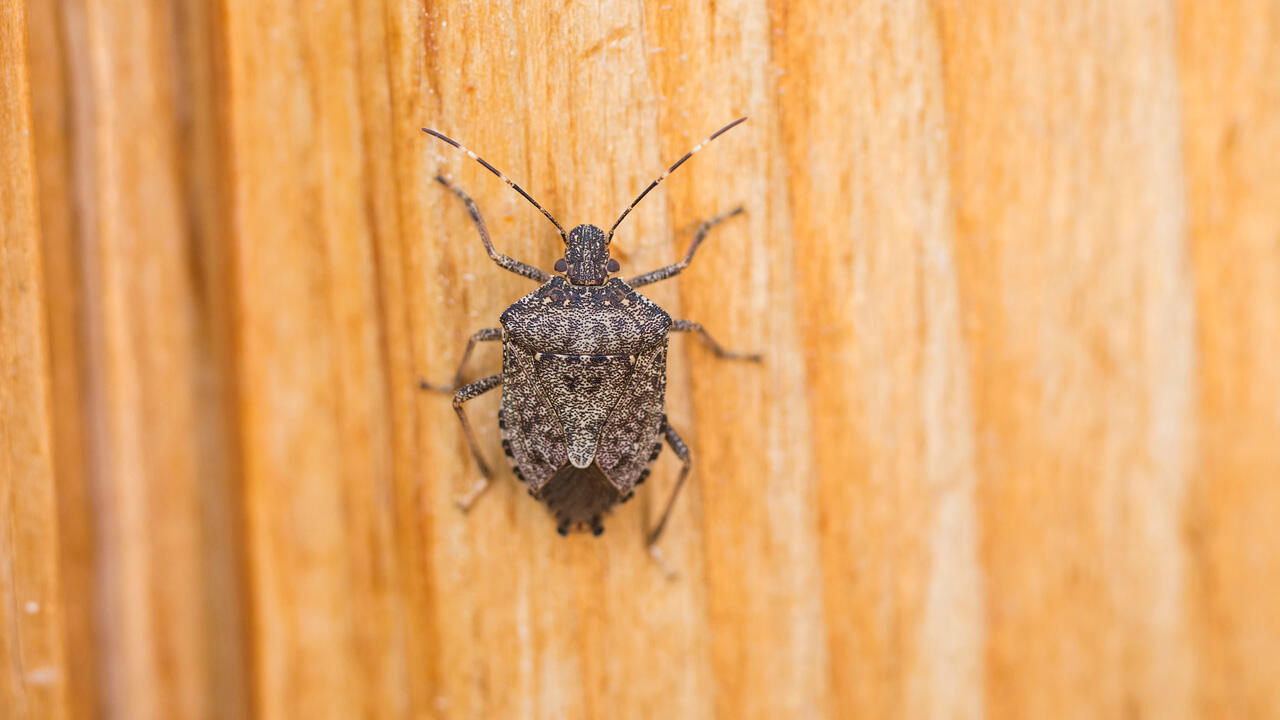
(690, 326)
(464, 394)
(675, 269)
(504, 262)
(485, 335)
(682, 451)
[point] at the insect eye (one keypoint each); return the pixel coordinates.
(613, 266)
(560, 266)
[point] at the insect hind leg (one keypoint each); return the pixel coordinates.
(677, 445)
(464, 394)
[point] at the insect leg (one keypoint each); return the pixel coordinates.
(682, 451)
(690, 326)
(480, 336)
(672, 270)
(464, 394)
(504, 262)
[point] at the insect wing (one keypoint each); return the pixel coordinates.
(532, 429)
(630, 436)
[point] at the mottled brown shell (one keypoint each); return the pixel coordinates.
(583, 394)
(609, 319)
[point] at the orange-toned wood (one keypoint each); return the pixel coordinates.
(51, 114)
(33, 679)
(318, 489)
(147, 463)
(1013, 269)
(1229, 60)
(1071, 244)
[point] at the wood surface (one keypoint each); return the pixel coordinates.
(33, 679)
(1014, 450)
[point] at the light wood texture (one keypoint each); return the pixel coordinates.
(1015, 270)
(1071, 240)
(147, 465)
(1230, 65)
(67, 360)
(33, 678)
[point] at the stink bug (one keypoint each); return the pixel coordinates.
(584, 371)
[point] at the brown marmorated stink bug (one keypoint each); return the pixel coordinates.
(584, 372)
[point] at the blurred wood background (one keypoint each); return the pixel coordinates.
(1014, 452)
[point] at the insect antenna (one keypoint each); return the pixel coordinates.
(663, 176)
(504, 178)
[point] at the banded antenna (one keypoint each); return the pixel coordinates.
(504, 178)
(663, 176)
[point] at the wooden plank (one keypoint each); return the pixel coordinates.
(755, 481)
(885, 369)
(53, 114)
(33, 682)
(317, 472)
(592, 619)
(1013, 270)
(1230, 62)
(137, 379)
(1064, 124)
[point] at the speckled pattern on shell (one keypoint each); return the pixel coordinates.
(609, 319)
(583, 395)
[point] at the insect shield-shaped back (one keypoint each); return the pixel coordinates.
(584, 382)
(583, 370)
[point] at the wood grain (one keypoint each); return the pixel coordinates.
(51, 118)
(33, 681)
(1072, 243)
(146, 468)
(1013, 268)
(1231, 94)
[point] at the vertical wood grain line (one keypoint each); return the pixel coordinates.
(292, 445)
(1229, 61)
(33, 674)
(54, 116)
(156, 594)
(949, 661)
(753, 486)
(399, 181)
(198, 48)
(888, 367)
(319, 476)
(1071, 236)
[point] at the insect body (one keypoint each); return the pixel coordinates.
(583, 373)
(582, 416)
